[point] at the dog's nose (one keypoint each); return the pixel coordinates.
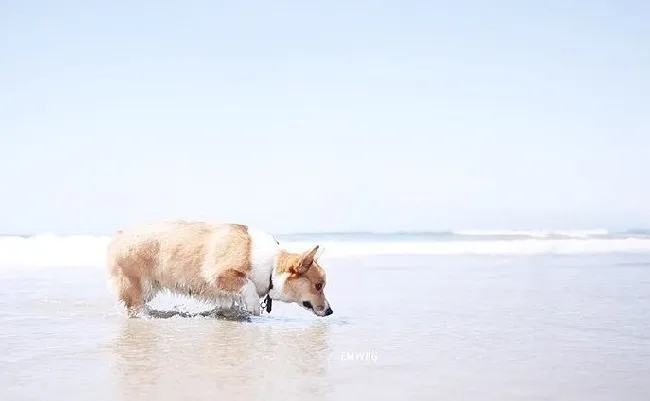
(329, 311)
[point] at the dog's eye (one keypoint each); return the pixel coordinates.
(319, 286)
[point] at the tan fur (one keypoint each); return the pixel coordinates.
(304, 274)
(198, 259)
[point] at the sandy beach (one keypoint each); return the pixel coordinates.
(419, 327)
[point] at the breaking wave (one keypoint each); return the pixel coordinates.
(535, 233)
(71, 251)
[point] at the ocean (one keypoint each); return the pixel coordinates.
(459, 315)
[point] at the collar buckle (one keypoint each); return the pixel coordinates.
(267, 303)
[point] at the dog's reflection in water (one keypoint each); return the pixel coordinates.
(215, 355)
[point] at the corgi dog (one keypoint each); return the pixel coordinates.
(222, 263)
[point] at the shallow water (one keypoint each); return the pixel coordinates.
(447, 328)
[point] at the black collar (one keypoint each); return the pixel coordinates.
(268, 302)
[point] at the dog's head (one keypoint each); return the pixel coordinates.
(298, 278)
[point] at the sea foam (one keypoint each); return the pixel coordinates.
(72, 251)
(534, 233)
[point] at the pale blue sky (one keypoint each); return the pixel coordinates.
(308, 115)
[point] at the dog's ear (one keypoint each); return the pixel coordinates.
(319, 253)
(306, 260)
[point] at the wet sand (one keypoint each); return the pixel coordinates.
(420, 328)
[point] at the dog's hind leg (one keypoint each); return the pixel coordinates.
(150, 288)
(130, 292)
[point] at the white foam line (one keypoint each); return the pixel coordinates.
(534, 233)
(86, 251)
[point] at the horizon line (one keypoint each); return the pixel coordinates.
(462, 232)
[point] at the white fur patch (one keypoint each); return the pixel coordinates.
(263, 250)
(277, 292)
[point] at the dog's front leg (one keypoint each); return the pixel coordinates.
(251, 298)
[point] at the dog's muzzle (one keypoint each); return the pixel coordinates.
(309, 306)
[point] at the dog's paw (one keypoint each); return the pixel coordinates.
(255, 309)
